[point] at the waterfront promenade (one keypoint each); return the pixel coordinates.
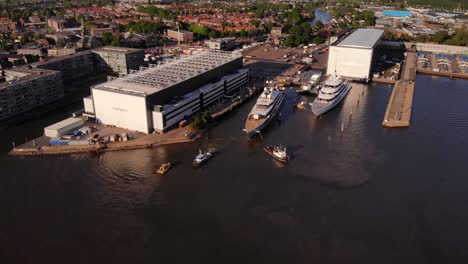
(398, 113)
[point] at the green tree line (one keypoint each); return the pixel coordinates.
(157, 12)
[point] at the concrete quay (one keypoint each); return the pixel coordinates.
(384, 80)
(39, 146)
(398, 113)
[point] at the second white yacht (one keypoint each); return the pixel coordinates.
(267, 107)
(333, 91)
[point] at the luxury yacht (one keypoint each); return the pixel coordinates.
(333, 92)
(265, 109)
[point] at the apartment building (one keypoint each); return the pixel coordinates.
(27, 88)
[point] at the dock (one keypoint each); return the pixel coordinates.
(40, 146)
(450, 75)
(398, 113)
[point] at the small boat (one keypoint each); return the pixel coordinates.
(277, 152)
(164, 168)
(202, 158)
(300, 106)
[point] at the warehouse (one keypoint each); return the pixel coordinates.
(141, 100)
(58, 129)
(210, 94)
(353, 56)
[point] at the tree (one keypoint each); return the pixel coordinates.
(60, 42)
(336, 13)
(212, 34)
(51, 41)
(319, 24)
(202, 31)
(201, 121)
(67, 4)
(107, 38)
(232, 33)
(243, 33)
(23, 40)
(459, 38)
(89, 25)
(369, 17)
(269, 26)
(295, 16)
(3, 46)
(317, 40)
(440, 36)
(116, 41)
(37, 36)
(290, 41)
(342, 24)
(157, 12)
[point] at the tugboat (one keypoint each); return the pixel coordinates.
(201, 158)
(279, 153)
(164, 168)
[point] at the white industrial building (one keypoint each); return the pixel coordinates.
(61, 128)
(158, 97)
(352, 57)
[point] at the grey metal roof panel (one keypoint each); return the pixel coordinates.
(362, 38)
(157, 78)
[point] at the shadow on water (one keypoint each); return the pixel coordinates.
(293, 150)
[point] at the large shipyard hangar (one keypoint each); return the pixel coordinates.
(352, 57)
(159, 97)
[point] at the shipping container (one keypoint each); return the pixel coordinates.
(63, 127)
(78, 142)
(58, 142)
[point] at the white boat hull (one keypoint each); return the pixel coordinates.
(255, 131)
(320, 108)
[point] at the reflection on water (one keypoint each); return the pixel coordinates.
(345, 196)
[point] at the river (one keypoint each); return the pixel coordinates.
(323, 16)
(365, 195)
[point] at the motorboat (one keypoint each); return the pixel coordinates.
(201, 158)
(277, 152)
(164, 168)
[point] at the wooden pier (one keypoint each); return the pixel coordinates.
(398, 112)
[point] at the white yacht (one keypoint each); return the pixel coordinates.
(332, 92)
(265, 109)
